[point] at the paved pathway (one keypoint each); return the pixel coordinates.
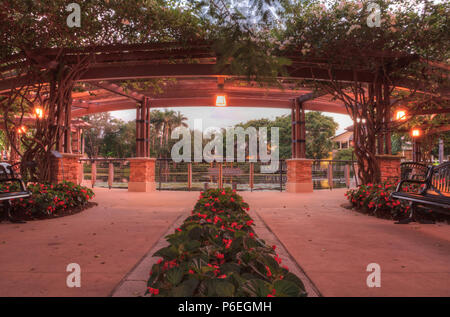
(331, 244)
(107, 241)
(334, 246)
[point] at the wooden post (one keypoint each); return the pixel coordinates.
(110, 174)
(93, 173)
(330, 175)
(81, 175)
(387, 120)
(302, 129)
(293, 128)
(347, 175)
(138, 132)
(220, 180)
(297, 130)
(189, 175)
(251, 175)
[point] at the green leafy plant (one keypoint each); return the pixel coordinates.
(375, 199)
(216, 253)
(48, 200)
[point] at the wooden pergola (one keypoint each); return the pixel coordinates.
(197, 83)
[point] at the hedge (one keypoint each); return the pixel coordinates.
(48, 200)
(216, 253)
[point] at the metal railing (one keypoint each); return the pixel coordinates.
(329, 174)
(243, 176)
(200, 175)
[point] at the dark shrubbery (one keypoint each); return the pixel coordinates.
(217, 253)
(48, 200)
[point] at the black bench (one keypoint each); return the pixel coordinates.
(433, 189)
(7, 176)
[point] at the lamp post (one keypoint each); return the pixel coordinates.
(415, 134)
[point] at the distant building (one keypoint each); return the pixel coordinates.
(344, 141)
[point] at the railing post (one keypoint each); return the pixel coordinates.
(220, 180)
(189, 175)
(93, 173)
(347, 175)
(280, 167)
(251, 175)
(330, 175)
(110, 174)
(81, 173)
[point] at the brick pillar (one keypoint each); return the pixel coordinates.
(66, 168)
(389, 167)
(142, 174)
(299, 176)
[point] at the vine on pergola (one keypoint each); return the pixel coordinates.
(332, 34)
(27, 27)
(337, 36)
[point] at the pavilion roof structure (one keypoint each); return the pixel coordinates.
(196, 72)
(200, 93)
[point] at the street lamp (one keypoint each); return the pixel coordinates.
(39, 112)
(22, 130)
(416, 132)
(221, 101)
(400, 115)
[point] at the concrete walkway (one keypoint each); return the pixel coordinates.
(334, 245)
(331, 244)
(106, 241)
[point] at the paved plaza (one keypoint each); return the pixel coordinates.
(330, 244)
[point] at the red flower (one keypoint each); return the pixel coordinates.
(269, 273)
(220, 256)
(153, 291)
(191, 272)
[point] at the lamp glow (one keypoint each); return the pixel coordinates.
(221, 101)
(39, 112)
(400, 115)
(415, 133)
(22, 129)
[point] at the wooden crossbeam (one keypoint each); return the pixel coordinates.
(118, 90)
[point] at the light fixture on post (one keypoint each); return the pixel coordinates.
(221, 101)
(400, 115)
(416, 132)
(22, 130)
(39, 112)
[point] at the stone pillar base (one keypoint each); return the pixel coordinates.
(67, 168)
(299, 176)
(142, 174)
(389, 167)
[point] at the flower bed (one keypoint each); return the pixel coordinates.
(49, 200)
(216, 253)
(375, 199)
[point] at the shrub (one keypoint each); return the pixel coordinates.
(375, 199)
(48, 200)
(216, 253)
